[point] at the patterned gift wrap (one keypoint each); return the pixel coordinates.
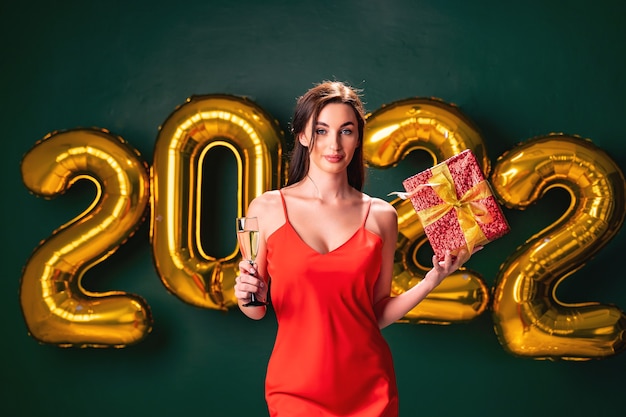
(456, 205)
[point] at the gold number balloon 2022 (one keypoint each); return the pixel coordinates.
(529, 320)
(56, 307)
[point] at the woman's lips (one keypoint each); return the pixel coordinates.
(333, 158)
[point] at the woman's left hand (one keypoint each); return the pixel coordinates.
(450, 263)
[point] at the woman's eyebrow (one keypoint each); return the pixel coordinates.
(343, 125)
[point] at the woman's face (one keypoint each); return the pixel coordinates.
(336, 138)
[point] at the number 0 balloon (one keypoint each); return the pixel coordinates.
(194, 129)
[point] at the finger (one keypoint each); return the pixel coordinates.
(447, 260)
(438, 264)
(243, 287)
(243, 291)
(477, 248)
(248, 283)
(247, 267)
(466, 255)
(463, 257)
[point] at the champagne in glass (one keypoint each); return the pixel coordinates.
(248, 238)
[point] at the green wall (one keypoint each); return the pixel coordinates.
(517, 69)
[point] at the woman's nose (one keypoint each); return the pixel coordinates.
(335, 145)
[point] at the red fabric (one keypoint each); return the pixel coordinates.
(330, 358)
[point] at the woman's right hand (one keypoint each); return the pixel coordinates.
(247, 282)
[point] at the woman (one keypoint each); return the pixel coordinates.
(328, 250)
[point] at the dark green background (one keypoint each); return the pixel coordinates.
(517, 69)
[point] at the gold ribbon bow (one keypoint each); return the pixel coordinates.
(470, 211)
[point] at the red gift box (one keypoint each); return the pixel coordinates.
(456, 205)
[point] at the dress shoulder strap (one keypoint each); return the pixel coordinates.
(282, 199)
(367, 211)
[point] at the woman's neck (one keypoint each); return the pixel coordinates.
(328, 188)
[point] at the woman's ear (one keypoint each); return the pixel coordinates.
(304, 141)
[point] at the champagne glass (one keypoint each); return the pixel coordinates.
(248, 238)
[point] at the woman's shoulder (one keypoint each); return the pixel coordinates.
(266, 202)
(382, 207)
(383, 218)
(268, 207)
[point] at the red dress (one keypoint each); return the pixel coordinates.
(329, 358)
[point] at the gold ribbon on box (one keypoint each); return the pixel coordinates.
(470, 211)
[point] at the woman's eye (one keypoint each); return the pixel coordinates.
(320, 131)
(346, 132)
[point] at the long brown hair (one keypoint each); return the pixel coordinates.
(309, 106)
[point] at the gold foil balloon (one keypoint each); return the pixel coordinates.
(439, 128)
(428, 124)
(200, 125)
(56, 308)
(528, 318)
